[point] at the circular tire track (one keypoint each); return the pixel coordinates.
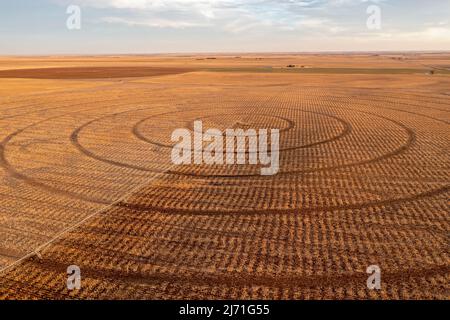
(194, 273)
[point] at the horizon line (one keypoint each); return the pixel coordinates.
(337, 52)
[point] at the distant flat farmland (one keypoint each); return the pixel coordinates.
(87, 177)
(89, 73)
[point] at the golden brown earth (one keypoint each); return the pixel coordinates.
(87, 180)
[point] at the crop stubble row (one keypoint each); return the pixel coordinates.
(363, 180)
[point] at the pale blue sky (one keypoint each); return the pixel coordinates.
(159, 26)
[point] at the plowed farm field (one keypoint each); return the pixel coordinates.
(87, 178)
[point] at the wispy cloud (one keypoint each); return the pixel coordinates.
(229, 15)
(154, 23)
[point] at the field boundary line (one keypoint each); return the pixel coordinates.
(40, 248)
